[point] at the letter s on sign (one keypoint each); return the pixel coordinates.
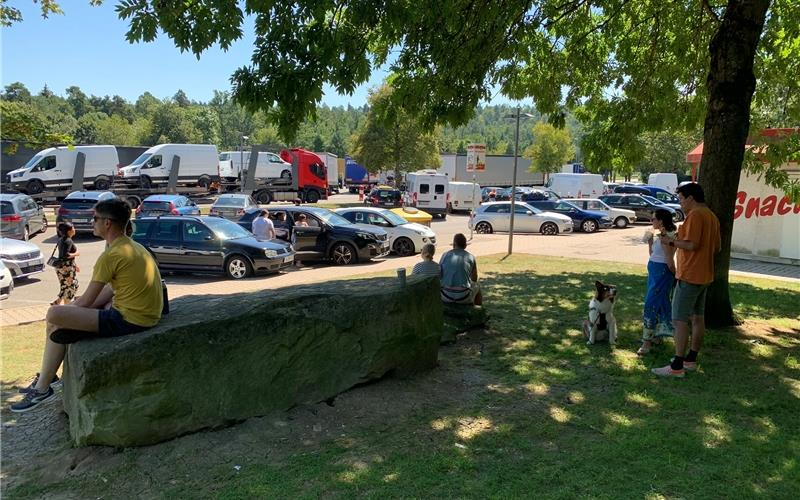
(738, 209)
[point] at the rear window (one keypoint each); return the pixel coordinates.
(424, 189)
(78, 204)
(155, 205)
(439, 188)
(6, 208)
(230, 202)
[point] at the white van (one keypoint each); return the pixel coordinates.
(269, 165)
(666, 181)
(464, 196)
(199, 164)
(53, 168)
(576, 185)
(428, 191)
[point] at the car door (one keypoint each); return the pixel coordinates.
(638, 205)
(310, 241)
(499, 216)
(525, 219)
(165, 243)
(30, 214)
(200, 247)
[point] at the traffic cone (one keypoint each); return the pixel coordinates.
(361, 193)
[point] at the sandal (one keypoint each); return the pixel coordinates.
(645, 348)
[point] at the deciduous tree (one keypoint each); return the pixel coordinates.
(551, 148)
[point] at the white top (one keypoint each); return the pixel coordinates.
(263, 228)
(658, 254)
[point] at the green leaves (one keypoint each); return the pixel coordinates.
(551, 148)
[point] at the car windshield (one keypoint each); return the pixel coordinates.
(224, 156)
(78, 203)
(529, 207)
(655, 201)
(229, 202)
(155, 205)
(33, 161)
(330, 217)
(563, 205)
(394, 218)
(142, 159)
(225, 229)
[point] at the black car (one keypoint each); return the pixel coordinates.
(209, 244)
(282, 227)
(78, 208)
(644, 208)
(384, 197)
(331, 236)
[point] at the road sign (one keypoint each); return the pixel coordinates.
(476, 158)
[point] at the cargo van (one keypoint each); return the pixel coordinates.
(199, 165)
(666, 181)
(54, 168)
(269, 166)
(464, 196)
(428, 191)
(576, 185)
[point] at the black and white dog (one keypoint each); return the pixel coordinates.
(601, 322)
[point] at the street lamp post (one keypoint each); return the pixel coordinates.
(516, 117)
(241, 161)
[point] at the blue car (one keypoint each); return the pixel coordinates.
(587, 220)
(166, 204)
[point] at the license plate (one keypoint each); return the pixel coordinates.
(80, 220)
(288, 259)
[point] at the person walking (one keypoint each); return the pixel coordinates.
(263, 228)
(427, 267)
(697, 242)
(66, 268)
(657, 314)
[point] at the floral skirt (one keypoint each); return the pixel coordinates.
(68, 279)
(657, 305)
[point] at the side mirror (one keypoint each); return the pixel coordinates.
(208, 237)
(529, 212)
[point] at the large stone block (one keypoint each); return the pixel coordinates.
(460, 318)
(216, 360)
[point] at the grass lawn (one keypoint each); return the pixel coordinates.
(525, 409)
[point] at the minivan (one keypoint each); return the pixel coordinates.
(428, 191)
(199, 165)
(268, 166)
(464, 196)
(54, 168)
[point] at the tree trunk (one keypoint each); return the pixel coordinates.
(731, 84)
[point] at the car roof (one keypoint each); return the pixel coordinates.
(11, 196)
(233, 195)
(88, 195)
(163, 197)
(365, 209)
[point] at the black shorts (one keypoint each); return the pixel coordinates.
(110, 324)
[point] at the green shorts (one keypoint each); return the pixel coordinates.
(688, 300)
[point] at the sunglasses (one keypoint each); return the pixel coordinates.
(98, 217)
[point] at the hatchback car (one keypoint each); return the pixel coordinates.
(21, 258)
(209, 245)
(21, 216)
(78, 208)
(644, 208)
(385, 197)
(620, 217)
(232, 206)
(166, 204)
(331, 236)
(405, 238)
(496, 216)
(282, 227)
(588, 221)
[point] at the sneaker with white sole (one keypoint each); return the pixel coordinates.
(56, 382)
(32, 399)
(667, 371)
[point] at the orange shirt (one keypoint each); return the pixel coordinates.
(702, 228)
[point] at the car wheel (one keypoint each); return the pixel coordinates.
(238, 267)
(44, 225)
(484, 228)
(145, 182)
(264, 198)
(133, 202)
(204, 181)
(404, 247)
(26, 234)
(549, 229)
(286, 174)
(588, 226)
(312, 197)
(34, 187)
(676, 217)
(621, 222)
(343, 254)
(101, 184)
(679, 215)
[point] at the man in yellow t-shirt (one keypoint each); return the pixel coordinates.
(124, 297)
(697, 242)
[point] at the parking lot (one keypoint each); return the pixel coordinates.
(31, 296)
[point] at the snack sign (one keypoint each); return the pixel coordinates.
(476, 158)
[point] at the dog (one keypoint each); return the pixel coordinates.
(601, 322)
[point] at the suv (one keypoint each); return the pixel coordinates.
(644, 208)
(587, 220)
(21, 217)
(384, 197)
(209, 244)
(78, 208)
(163, 204)
(331, 236)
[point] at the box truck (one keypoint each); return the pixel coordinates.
(576, 185)
(332, 165)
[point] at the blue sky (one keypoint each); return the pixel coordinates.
(86, 47)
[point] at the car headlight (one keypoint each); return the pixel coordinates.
(366, 236)
(270, 253)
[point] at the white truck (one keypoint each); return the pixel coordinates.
(666, 181)
(428, 190)
(52, 169)
(332, 164)
(269, 166)
(576, 185)
(464, 196)
(499, 171)
(199, 166)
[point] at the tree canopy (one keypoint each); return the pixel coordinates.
(551, 148)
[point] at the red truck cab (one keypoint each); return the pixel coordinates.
(311, 172)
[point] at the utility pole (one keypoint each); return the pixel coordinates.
(517, 117)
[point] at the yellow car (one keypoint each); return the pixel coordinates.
(412, 214)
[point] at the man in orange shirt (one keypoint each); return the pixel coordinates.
(697, 242)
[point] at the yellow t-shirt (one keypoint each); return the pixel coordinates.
(702, 228)
(133, 274)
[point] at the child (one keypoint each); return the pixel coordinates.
(657, 314)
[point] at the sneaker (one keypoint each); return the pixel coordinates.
(689, 366)
(56, 382)
(32, 399)
(667, 371)
(645, 348)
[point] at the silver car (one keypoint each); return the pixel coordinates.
(232, 206)
(20, 216)
(496, 216)
(21, 258)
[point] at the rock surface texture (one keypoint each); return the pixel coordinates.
(460, 318)
(216, 360)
